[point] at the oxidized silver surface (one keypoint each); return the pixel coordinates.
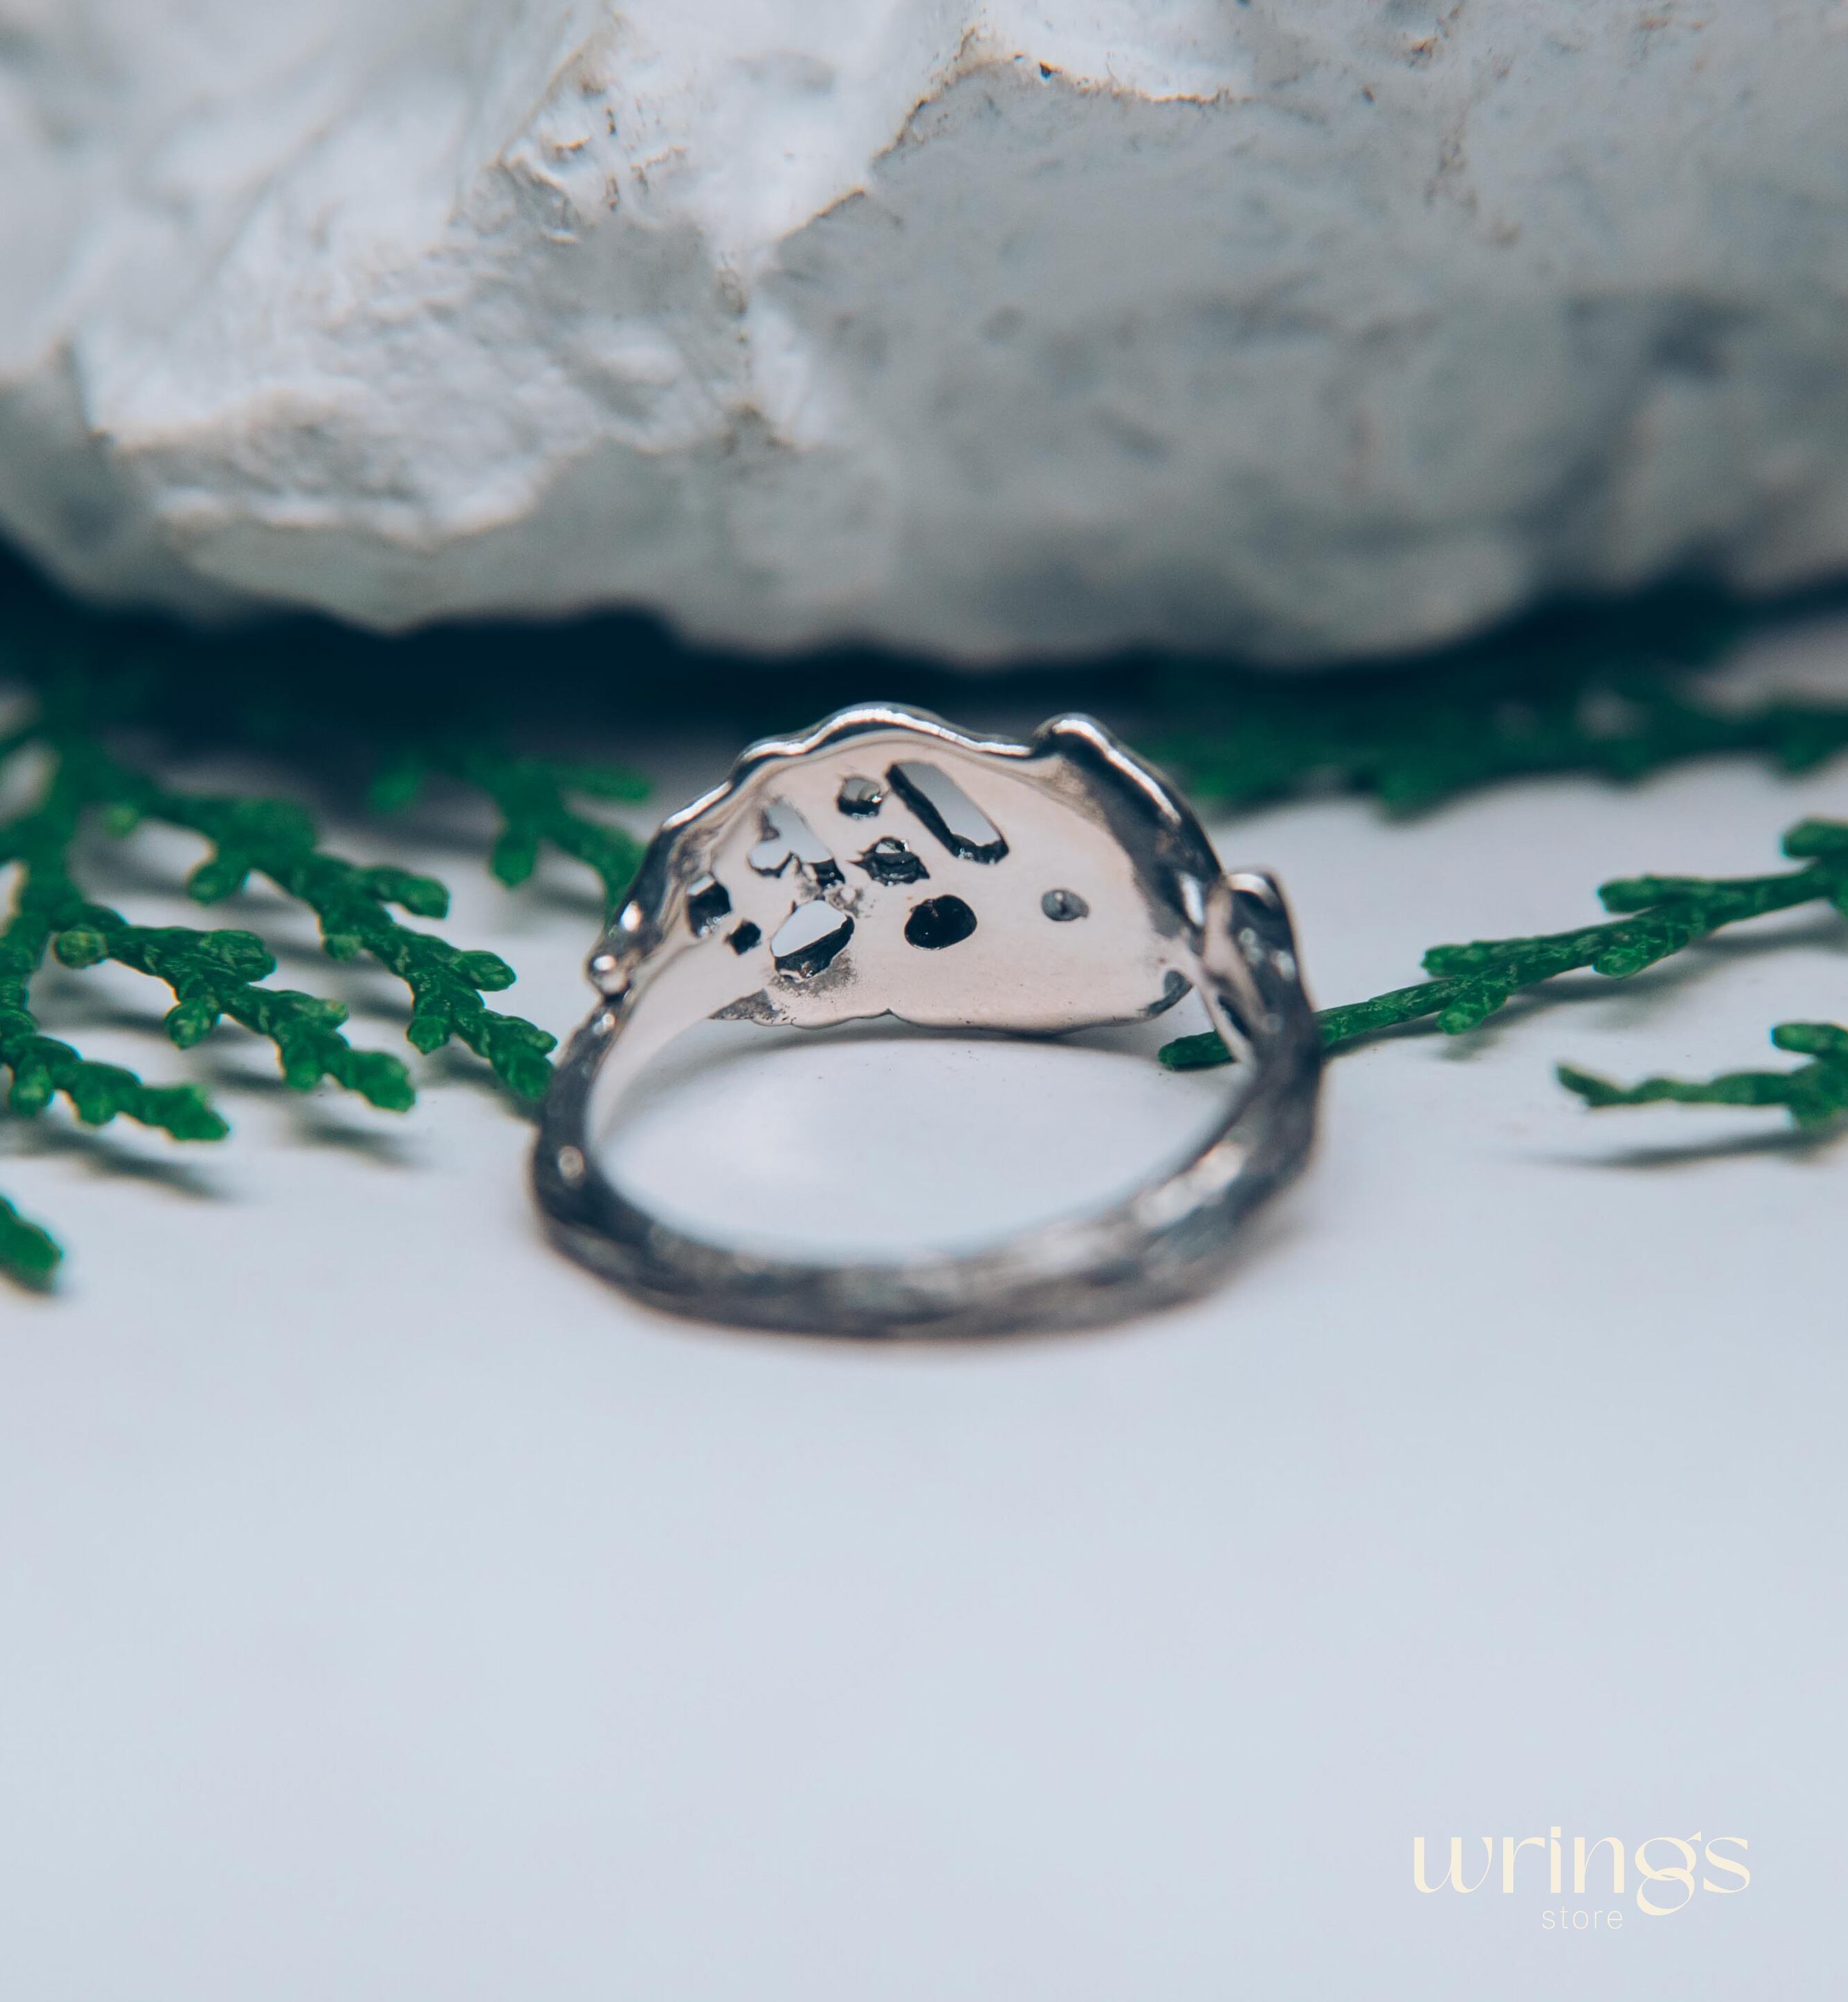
(886, 864)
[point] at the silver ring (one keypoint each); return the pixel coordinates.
(886, 864)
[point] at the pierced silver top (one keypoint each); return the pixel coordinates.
(886, 864)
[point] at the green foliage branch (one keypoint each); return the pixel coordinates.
(1815, 1093)
(1660, 916)
(219, 974)
(1618, 695)
(533, 798)
(1616, 692)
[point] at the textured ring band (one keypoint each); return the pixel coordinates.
(886, 864)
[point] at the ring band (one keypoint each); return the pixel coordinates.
(886, 864)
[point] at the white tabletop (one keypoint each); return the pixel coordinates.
(390, 1611)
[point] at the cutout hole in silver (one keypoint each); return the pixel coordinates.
(810, 938)
(948, 811)
(707, 902)
(939, 921)
(786, 836)
(862, 798)
(889, 861)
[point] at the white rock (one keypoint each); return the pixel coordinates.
(1299, 326)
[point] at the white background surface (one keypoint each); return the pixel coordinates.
(388, 1611)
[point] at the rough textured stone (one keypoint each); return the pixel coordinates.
(1299, 326)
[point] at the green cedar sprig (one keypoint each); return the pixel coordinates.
(27, 1255)
(210, 974)
(533, 797)
(1616, 696)
(48, 907)
(218, 974)
(1612, 692)
(278, 839)
(1662, 916)
(47, 904)
(1815, 1093)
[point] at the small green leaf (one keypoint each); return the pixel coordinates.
(81, 947)
(515, 856)
(397, 786)
(487, 971)
(381, 1080)
(27, 1255)
(182, 1110)
(1817, 838)
(1199, 1052)
(1813, 1039)
(525, 1072)
(189, 1023)
(32, 1089)
(422, 896)
(214, 880)
(604, 782)
(429, 1029)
